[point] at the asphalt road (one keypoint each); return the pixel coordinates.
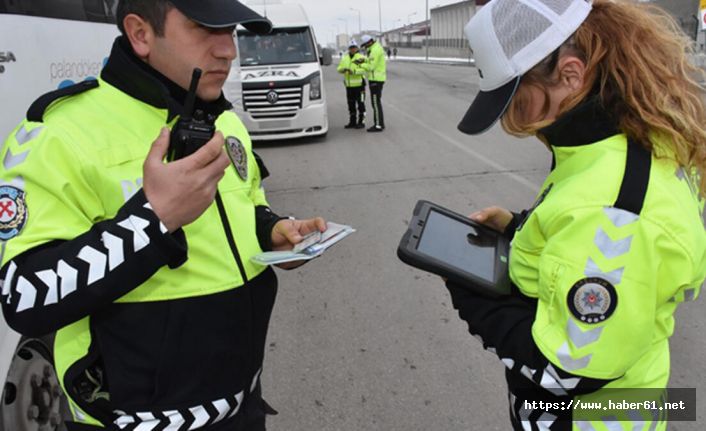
(360, 341)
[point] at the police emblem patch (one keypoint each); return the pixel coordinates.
(238, 156)
(592, 300)
(13, 212)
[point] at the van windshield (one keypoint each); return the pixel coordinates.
(282, 46)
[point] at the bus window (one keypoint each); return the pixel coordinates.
(78, 10)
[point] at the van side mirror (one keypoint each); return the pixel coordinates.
(326, 58)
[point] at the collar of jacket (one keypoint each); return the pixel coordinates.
(587, 123)
(129, 74)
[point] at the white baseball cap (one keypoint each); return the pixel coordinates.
(366, 39)
(508, 38)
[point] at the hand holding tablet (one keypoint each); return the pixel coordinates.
(448, 244)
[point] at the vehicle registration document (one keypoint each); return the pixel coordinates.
(313, 245)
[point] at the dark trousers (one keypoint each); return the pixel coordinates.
(356, 101)
(376, 99)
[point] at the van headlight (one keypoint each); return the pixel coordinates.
(315, 88)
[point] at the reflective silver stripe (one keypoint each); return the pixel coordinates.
(162, 227)
(253, 385)
(7, 282)
(137, 226)
(614, 277)
(638, 422)
(513, 400)
(175, 420)
(545, 421)
(96, 261)
(23, 136)
(12, 160)
(579, 338)
(201, 417)
(620, 217)
(510, 363)
(681, 174)
(584, 426)
(28, 294)
(611, 249)
(523, 417)
(114, 244)
(555, 384)
(193, 418)
(223, 408)
(239, 400)
(568, 363)
(527, 372)
(611, 423)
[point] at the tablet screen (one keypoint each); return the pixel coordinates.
(458, 244)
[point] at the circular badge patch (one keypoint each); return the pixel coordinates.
(238, 156)
(13, 212)
(592, 300)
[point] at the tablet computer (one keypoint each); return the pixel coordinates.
(448, 244)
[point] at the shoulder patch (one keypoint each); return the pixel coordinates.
(13, 212)
(592, 300)
(35, 112)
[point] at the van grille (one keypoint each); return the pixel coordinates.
(259, 102)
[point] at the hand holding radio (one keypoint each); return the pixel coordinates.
(180, 191)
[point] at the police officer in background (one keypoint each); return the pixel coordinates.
(354, 80)
(161, 315)
(376, 66)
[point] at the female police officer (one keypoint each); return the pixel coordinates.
(615, 240)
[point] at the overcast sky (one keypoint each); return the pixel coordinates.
(330, 16)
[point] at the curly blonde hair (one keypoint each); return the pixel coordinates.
(637, 58)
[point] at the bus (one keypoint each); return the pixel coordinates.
(283, 95)
(44, 45)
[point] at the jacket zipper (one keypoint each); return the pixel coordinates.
(229, 236)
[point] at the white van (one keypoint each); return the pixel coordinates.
(44, 45)
(283, 94)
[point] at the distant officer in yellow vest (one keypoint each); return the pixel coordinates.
(615, 241)
(144, 267)
(376, 66)
(354, 80)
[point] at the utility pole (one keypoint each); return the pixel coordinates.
(428, 24)
(380, 14)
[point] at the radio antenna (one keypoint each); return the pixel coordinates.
(191, 95)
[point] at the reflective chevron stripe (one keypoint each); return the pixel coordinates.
(567, 362)
(579, 338)
(23, 136)
(611, 249)
(620, 217)
(192, 418)
(96, 260)
(11, 160)
(552, 382)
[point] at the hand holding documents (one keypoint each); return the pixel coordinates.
(313, 245)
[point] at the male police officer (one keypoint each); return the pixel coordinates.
(354, 80)
(161, 315)
(376, 67)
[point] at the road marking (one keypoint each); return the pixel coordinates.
(490, 162)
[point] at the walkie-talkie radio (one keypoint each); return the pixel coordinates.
(194, 129)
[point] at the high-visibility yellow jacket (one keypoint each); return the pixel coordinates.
(376, 66)
(353, 73)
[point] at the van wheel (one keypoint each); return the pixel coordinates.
(32, 399)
